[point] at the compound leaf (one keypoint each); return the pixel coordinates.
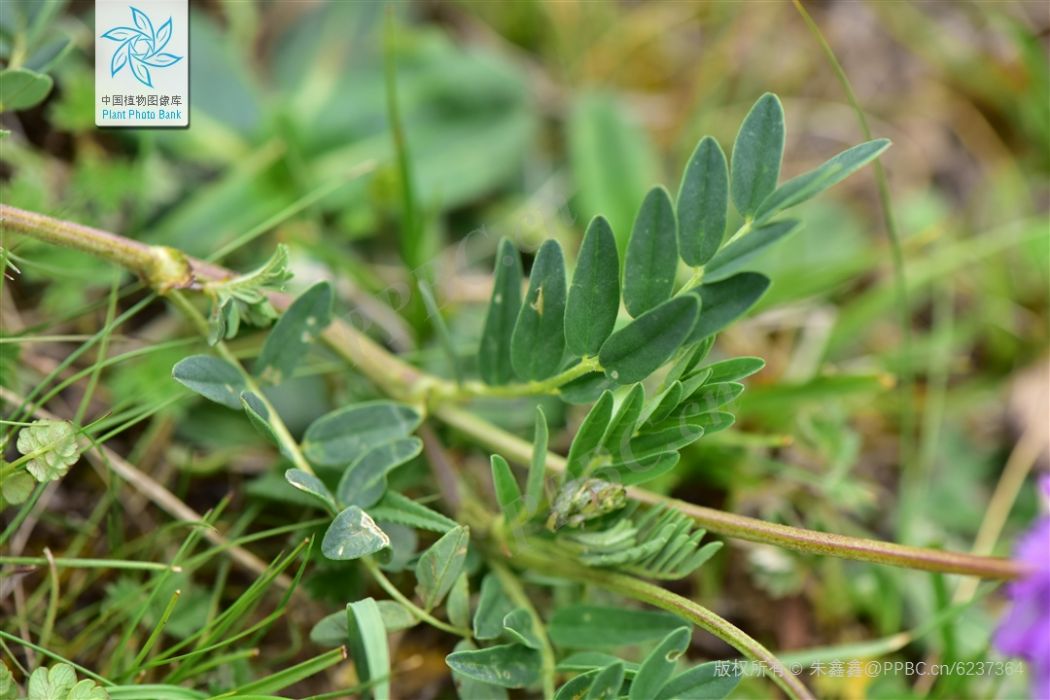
(494, 352)
(364, 482)
(632, 353)
(607, 683)
(352, 535)
(589, 436)
(308, 483)
(287, 341)
(538, 466)
(493, 606)
(659, 664)
(703, 200)
(702, 682)
(808, 185)
(440, 566)
(727, 300)
(594, 296)
(340, 437)
(584, 626)
(212, 378)
(508, 494)
(652, 254)
(737, 254)
(506, 665)
(757, 152)
(538, 342)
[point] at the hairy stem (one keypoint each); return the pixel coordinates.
(752, 529)
(402, 381)
(555, 563)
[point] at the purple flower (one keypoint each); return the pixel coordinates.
(1025, 631)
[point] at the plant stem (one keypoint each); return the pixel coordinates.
(1018, 465)
(752, 529)
(745, 228)
(388, 586)
(698, 272)
(163, 268)
(402, 381)
(693, 282)
(555, 563)
(288, 444)
(547, 386)
(512, 587)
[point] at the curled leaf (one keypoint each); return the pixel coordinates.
(352, 535)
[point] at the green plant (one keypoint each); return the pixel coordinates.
(630, 334)
(59, 682)
(31, 47)
(48, 450)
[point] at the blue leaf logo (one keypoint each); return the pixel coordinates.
(141, 47)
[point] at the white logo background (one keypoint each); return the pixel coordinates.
(169, 81)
